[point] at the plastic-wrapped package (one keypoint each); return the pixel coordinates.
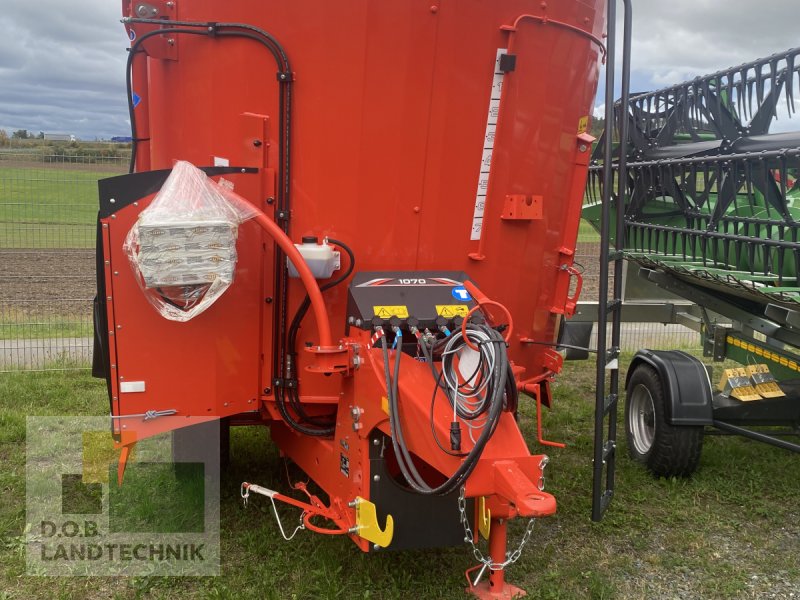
(182, 248)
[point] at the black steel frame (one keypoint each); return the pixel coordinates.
(607, 397)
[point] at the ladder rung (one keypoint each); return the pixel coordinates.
(615, 255)
(605, 500)
(609, 449)
(609, 403)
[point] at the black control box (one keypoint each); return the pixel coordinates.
(424, 299)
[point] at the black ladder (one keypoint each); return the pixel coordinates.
(611, 261)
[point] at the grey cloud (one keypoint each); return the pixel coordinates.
(62, 67)
(680, 39)
(62, 63)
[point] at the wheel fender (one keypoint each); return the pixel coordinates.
(687, 387)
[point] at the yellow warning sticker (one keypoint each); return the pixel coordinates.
(386, 312)
(448, 311)
(583, 124)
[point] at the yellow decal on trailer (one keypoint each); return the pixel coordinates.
(583, 124)
(450, 311)
(386, 312)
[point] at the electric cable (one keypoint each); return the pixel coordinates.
(499, 378)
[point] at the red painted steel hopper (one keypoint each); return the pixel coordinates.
(441, 147)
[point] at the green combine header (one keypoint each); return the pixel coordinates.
(704, 202)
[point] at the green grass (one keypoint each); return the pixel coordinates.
(587, 233)
(48, 207)
(34, 328)
(706, 537)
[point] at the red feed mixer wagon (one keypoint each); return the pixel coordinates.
(406, 180)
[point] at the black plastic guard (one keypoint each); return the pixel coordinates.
(687, 386)
(419, 521)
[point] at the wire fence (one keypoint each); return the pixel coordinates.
(656, 336)
(48, 208)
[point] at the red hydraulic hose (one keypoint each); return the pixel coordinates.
(310, 283)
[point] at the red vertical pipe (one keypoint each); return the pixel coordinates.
(497, 551)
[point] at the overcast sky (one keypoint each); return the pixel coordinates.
(62, 63)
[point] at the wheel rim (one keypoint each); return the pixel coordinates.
(641, 419)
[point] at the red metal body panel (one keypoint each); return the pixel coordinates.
(390, 108)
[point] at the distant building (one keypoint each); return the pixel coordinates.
(59, 137)
(122, 139)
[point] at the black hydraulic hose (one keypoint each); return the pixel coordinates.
(129, 84)
(291, 353)
(285, 77)
(401, 452)
(306, 303)
(457, 479)
(291, 421)
(433, 425)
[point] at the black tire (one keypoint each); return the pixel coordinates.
(666, 450)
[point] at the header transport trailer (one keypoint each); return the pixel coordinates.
(706, 210)
(373, 255)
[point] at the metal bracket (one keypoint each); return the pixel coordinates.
(367, 524)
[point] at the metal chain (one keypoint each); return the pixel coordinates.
(511, 557)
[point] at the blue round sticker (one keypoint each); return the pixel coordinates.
(461, 293)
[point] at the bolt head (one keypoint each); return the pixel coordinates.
(376, 478)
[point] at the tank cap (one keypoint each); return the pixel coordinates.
(309, 239)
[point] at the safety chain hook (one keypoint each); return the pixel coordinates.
(487, 562)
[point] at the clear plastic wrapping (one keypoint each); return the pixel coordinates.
(182, 248)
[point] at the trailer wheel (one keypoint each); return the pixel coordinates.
(667, 450)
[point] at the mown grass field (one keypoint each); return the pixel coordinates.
(47, 211)
(731, 531)
(48, 207)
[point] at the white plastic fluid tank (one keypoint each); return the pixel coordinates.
(322, 259)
